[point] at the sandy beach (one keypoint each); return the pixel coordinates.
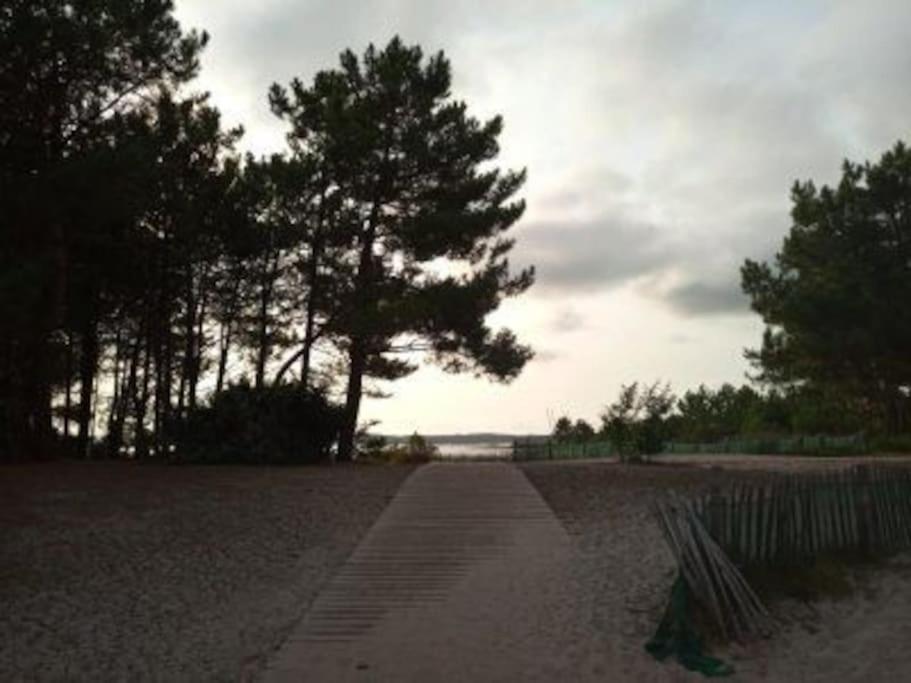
(123, 572)
(623, 565)
(118, 572)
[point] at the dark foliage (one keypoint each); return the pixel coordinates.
(834, 299)
(645, 419)
(271, 425)
(637, 422)
(143, 258)
(565, 430)
(414, 170)
(70, 76)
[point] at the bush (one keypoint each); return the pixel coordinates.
(277, 425)
(637, 422)
(415, 451)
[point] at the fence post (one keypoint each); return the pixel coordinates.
(864, 511)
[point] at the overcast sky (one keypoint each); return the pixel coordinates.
(660, 138)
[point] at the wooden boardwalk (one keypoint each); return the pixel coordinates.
(454, 582)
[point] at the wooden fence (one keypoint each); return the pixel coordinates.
(793, 517)
(559, 450)
(854, 444)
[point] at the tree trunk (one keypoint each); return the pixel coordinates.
(198, 350)
(227, 318)
(68, 392)
(141, 436)
(88, 366)
(357, 353)
(316, 254)
(224, 344)
(119, 415)
(358, 363)
(163, 438)
(262, 353)
(5, 400)
(263, 343)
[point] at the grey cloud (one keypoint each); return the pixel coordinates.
(568, 320)
(585, 257)
(723, 107)
(700, 298)
(591, 256)
(546, 355)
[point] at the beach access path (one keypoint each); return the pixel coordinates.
(557, 572)
(460, 579)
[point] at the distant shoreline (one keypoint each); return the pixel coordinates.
(469, 438)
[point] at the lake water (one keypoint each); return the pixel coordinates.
(487, 449)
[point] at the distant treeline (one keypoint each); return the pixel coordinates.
(146, 265)
(646, 417)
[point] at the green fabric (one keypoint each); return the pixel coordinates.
(676, 636)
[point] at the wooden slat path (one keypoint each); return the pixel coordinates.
(452, 583)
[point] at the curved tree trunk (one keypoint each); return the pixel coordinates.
(358, 363)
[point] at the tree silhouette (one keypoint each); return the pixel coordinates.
(146, 267)
(833, 299)
(413, 167)
(67, 71)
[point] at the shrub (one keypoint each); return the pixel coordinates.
(277, 425)
(414, 451)
(637, 422)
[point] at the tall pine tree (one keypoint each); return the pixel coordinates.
(428, 240)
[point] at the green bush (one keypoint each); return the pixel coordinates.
(276, 425)
(415, 451)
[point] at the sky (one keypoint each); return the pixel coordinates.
(661, 140)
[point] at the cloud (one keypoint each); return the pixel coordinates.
(546, 355)
(591, 256)
(692, 119)
(568, 320)
(698, 298)
(692, 278)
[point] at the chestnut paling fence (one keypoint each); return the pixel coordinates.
(561, 450)
(813, 444)
(779, 523)
(819, 444)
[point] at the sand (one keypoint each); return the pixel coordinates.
(622, 564)
(115, 572)
(122, 572)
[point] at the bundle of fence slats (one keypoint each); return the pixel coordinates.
(789, 519)
(713, 579)
(781, 522)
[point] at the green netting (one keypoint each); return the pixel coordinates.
(677, 636)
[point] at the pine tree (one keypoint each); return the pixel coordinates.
(415, 170)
